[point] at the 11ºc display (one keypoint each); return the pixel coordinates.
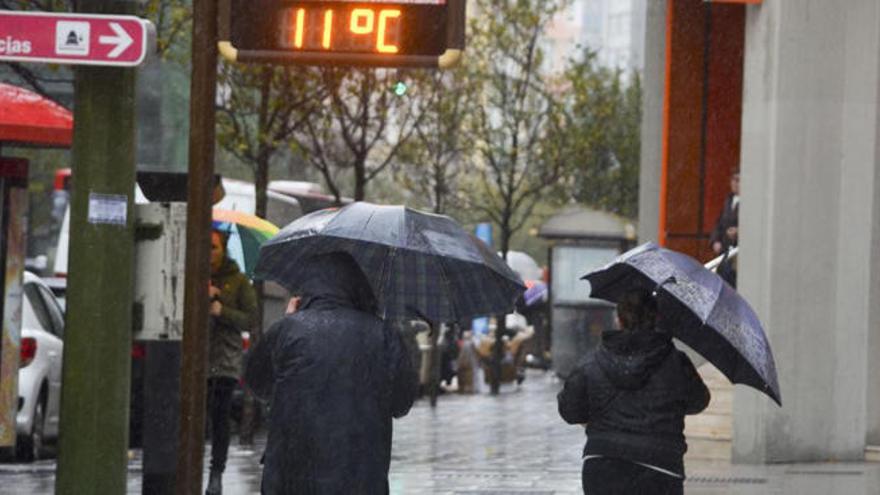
(357, 29)
(380, 33)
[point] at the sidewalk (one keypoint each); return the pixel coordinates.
(511, 444)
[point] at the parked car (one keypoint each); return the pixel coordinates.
(39, 372)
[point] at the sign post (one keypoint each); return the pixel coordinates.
(373, 33)
(200, 186)
(79, 39)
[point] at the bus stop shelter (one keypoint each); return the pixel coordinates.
(580, 239)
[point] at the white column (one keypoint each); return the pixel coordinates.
(809, 221)
(653, 84)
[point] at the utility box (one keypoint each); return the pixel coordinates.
(160, 249)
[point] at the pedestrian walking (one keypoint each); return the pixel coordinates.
(337, 374)
(233, 310)
(633, 393)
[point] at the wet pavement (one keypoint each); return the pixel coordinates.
(511, 444)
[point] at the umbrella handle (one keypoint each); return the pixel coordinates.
(731, 252)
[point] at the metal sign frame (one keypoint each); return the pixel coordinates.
(455, 42)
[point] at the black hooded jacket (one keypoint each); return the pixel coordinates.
(336, 375)
(633, 393)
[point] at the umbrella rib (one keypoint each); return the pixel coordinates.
(448, 286)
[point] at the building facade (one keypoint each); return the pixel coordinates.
(612, 28)
(789, 92)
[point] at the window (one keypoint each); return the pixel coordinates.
(55, 313)
(38, 309)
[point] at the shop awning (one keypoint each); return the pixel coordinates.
(28, 118)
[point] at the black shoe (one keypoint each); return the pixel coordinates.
(215, 483)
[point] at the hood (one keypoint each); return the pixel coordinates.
(629, 358)
(334, 280)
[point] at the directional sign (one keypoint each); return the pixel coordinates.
(80, 39)
(378, 33)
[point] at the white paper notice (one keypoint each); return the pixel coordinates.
(108, 208)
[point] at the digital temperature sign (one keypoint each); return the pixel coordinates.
(419, 33)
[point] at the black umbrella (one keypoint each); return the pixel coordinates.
(420, 265)
(697, 307)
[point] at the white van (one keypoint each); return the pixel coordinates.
(283, 208)
(241, 196)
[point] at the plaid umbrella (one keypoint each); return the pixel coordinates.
(420, 265)
(697, 307)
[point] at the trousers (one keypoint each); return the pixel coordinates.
(610, 476)
(219, 409)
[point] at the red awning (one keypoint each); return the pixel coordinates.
(28, 118)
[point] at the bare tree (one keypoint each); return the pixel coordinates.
(260, 108)
(359, 127)
(431, 162)
(517, 124)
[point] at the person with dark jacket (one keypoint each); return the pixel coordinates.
(633, 393)
(337, 374)
(725, 235)
(233, 310)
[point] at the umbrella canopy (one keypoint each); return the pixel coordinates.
(697, 307)
(246, 234)
(536, 291)
(419, 265)
(28, 118)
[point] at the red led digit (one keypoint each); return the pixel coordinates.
(310, 28)
(365, 27)
(328, 29)
(384, 16)
(298, 33)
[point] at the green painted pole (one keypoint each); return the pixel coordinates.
(92, 456)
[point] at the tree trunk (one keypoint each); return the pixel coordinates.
(360, 179)
(501, 322)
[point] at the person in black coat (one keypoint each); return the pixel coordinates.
(633, 393)
(337, 375)
(725, 235)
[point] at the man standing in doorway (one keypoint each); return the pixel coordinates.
(725, 235)
(233, 311)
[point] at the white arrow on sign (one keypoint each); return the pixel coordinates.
(122, 40)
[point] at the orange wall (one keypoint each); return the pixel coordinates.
(724, 123)
(696, 172)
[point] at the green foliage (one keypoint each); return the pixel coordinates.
(359, 126)
(173, 22)
(605, 118)
(429, 164)
(517, 124)
(498, 138)
(260, 108)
